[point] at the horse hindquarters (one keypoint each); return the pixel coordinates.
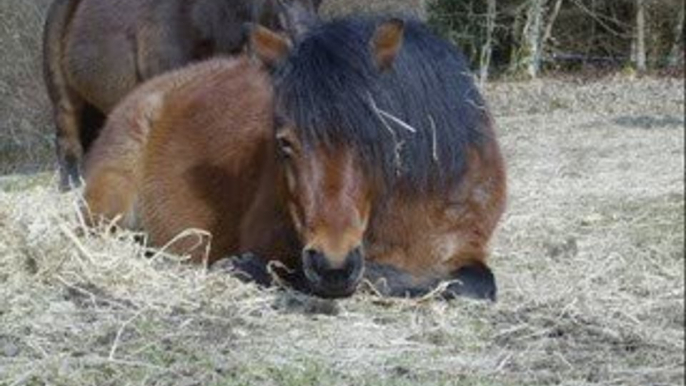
(112, 168)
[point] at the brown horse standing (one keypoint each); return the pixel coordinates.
(96, 51)
(367, 153)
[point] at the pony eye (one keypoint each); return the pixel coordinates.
(285, 146)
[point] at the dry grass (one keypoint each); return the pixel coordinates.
(589, 260)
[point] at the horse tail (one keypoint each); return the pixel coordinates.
(57, 22)
(67, 115)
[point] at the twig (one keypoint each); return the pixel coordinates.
(373, 287)
(433, 294)
(397, 145)
(188, 232)
(79, 246)
(115, 344)
(397, 120)
(434, 140)
(271, 269)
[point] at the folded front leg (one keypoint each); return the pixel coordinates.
(474, 280)
(252, 268)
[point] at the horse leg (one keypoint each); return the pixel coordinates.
(68, 141)
(252, 268)
(475, 280)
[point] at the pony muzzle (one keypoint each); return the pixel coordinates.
(329, 281)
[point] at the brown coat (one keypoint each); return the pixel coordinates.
(96, 51)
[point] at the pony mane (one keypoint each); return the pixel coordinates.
(411, 124)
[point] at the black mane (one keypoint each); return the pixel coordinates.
(330, 88)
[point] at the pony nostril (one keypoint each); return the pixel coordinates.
(315, 261)
(315, 265)
(329, 281)
(354, 263)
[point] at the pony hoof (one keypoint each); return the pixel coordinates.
(247, 267)
(473, 281)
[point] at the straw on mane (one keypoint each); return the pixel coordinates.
(411, 123)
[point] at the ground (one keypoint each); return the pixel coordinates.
(589, 260)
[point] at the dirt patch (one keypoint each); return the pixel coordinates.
(590, 263)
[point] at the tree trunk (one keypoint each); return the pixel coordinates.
(640, 36)
(533, 37)
(422, 11)
(551, 21)
(593, 38)
(676, 54)
(487, 48)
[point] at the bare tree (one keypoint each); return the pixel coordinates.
(551, 21)
(533, 37)
(640, 35)
(676, 54)
(487, 48)
(520, 34)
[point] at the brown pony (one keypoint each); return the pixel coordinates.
(366, 153)
(96, 51)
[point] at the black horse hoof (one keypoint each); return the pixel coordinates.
(473, 281)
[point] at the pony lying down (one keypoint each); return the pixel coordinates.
(362, 150)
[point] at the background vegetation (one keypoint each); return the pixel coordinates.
(526, 36)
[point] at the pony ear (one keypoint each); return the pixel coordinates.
(386, 43)
(268, 46)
